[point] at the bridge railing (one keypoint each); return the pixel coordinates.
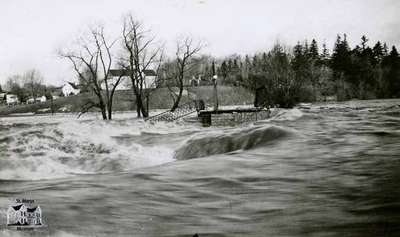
(182, 111)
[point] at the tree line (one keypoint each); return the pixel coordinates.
(29, 84)
(307, 73)
(282, 75)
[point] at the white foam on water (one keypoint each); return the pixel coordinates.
(48, 147)
(70, 146)
(287, 115)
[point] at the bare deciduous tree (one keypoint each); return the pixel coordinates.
(14, 85)
(92, 63)
(141, 53)
(33, 82)
(186, 49)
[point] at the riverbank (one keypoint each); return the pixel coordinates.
(124, 100)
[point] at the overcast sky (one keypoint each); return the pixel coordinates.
(33, 30)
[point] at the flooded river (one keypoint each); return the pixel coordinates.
(324, 170)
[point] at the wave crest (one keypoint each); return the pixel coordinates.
(243, 139)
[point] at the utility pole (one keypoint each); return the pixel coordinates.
(214, 80)
(215, 77)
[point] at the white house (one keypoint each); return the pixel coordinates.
(12, 99)
(150, 79)
(70, 88)
(39, 99)
(114, 75)
(42, 99)
(24, 215)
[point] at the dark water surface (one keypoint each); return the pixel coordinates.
(328, 170)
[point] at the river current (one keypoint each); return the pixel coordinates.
(321, 170)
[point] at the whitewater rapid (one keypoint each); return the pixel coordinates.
(47, 147)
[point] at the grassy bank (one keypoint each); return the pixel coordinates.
(124, 100)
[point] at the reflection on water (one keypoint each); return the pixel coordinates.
(330, 170)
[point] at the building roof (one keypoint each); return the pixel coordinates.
(118, 72)
(149, 72)
(122, 72)
(73, 85)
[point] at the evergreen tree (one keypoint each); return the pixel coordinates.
(230, 66)
(364, 41)
(255, 64)
(394, 54)
(385, 50)
(363, 73)
(378, 53)
(324, 55)
(357, 51)
(264, 62)
(313, 52)
(392, 73)
(341, 60)
(298, 57)
(341, 67)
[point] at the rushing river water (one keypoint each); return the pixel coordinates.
(327, 170)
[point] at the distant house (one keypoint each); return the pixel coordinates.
(70, 88)
(41, 99)
(114, 75)
(150, 79)
(24, 215)
(12, 99)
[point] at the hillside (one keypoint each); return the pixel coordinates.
(124, 100)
